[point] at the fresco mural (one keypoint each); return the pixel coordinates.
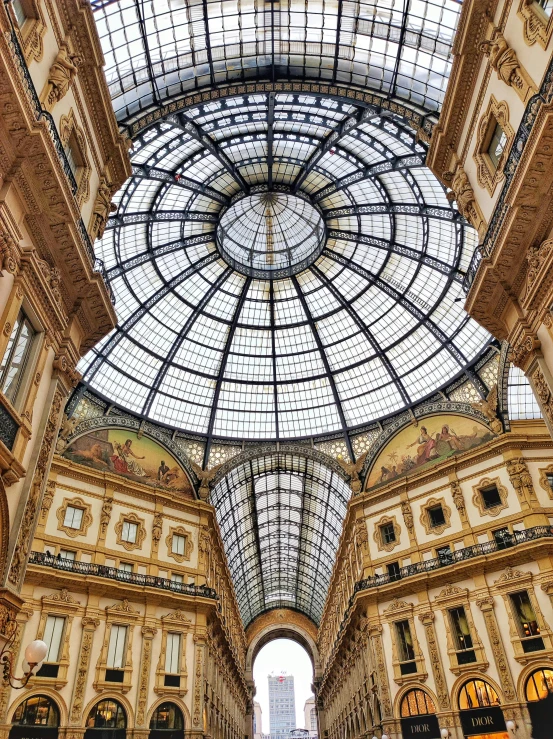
(122, 452)
(417, 447)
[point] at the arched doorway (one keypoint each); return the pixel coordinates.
(37, 717)
(480, 711)
(106, 720)
(418, 716)
(167, 722)
(539, 696)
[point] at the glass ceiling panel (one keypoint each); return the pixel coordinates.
(261, 300)
(293, 509)
(156, 50)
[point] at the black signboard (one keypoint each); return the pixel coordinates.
(420, 727)
(166, 734)
(33, 731)
(482, 721)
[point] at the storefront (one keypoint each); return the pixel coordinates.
(167, 722)
(38, 717)
(539, 697)
(418, 716)
(106, 720)
(480, 711)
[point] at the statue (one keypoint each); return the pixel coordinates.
(353, 469)
(156, 527)
(102, 208)
(488, 408)
(205, 477)
(502, 58)
(106, 514)
(407, 515)
(61, 76)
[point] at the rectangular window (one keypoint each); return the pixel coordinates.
(546, 5)
(125, 567)
(526, 617)
(393, 570)
(405, 641)
(117, 645)
(172, 654)
(462, 636)
(175, 577)
(549, 477)
(73, 517)
(67, 554)
(388, 533)
(497, 145)
(53, 634)
(129, 532)
(178, 544)
(19, 11)
(436, 516)
(69, 150)
(16, 356)
(490, 496)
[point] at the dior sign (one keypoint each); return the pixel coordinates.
(420, 727)
(482, 721)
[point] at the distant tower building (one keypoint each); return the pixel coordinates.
(282, 705)
(257, 725)
(310, 715)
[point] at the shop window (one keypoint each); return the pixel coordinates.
(490, 497)
(477, 694)
(526, 621)
(406, 649)
(73, 517)
(39, 710)
(107, 714)
(167, 716)
(436, 516)
(116, 653)
(16, 357)
(416, 703)
(462, 636)
(129, 532)
(539, 685)
(388, 533)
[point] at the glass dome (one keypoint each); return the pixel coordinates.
(363, 315)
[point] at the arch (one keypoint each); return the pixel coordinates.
(282, 624)
(527, 674)
(471, 678)
(118, 698)
(178, 716)
(48, 693)
(170, 699)
(404, 692)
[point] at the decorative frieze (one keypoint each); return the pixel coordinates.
(148, 633)
(427, 620)
(89, 626)
(486, 605)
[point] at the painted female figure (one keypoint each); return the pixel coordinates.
(122, 461)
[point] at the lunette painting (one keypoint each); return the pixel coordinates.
(417, 447)
(139, 459)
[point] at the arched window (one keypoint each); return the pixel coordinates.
(416, 703)
(167, 716)
(477, 694)
(38, 710)
(539, 685)
(107, 714)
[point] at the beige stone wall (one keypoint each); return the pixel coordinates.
(361, 638)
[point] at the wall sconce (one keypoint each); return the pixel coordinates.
(385, 736)
(445, 733)
(511, 726)
(35, 655)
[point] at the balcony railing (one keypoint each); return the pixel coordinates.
(41, 114)
(112, 573)
(454, 557)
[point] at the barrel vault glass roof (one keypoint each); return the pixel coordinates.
(281, 518)
(158, 50)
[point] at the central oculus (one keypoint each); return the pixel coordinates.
(271, 235)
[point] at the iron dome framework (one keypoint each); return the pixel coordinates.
(372, 326)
